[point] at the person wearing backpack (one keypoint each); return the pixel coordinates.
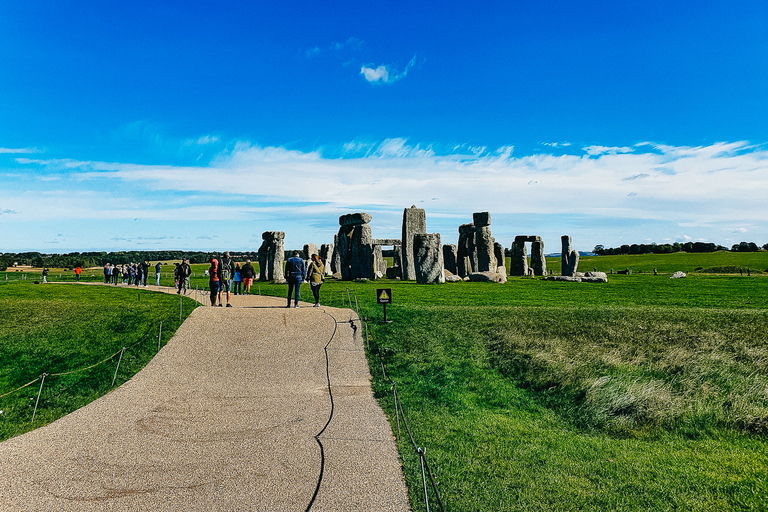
(247, 273)
(294, 274)
(226, 273)
(183, 272)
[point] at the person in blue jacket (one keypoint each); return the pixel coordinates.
(294, 274)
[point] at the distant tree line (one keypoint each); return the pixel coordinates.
(690, 247)
(98, 259)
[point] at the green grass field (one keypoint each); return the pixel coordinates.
(643, 393)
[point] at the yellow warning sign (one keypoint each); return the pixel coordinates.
(384, 296)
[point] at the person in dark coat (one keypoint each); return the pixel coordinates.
(294, 274)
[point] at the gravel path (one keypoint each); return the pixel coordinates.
(224, 418)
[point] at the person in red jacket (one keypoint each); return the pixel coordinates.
(213, 282)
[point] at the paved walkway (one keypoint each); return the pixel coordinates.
(224, 418)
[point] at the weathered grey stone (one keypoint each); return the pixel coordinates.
(361, 262)
(498, 253)
(564, 278)
(450, 253)
(501, 272)
(481, 219)
(597, 274)
(387, 241)
(397, 258)
(326, 255)
(354, 219)
(518, 261)
(393, 273)
(484, 247)
(451, 278)
(569, 258)
(527, 238)
(678, 275)
(466, 250)
(484, 277)
(538, 259)
(428, 258)
(309, 250)
(271, 256)
(379, 264)
(335, 256)
(414, 223)
(273, 235)
(588, 279)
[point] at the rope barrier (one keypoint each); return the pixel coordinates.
(399, 411)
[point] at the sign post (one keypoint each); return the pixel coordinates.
(384, 297)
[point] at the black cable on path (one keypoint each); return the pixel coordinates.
(330, 416)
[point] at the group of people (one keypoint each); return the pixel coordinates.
(226, 278)
(296, 271)
(128, 273)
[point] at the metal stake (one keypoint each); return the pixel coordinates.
(118, 365)
(160, 335)
(43, 376)
(181, 302)
(357, 306)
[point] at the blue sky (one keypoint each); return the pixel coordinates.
(199, 125)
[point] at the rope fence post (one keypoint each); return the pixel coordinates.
(160, 335)
(422, 452)
(181, 306)
(118, 365)
(40, 391)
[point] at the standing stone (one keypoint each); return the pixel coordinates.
(361, 253)
(379, 264)
(466, 250)
(501, 261)
(569, 258)
(450, 255)
(486, 261)
(414, 222)
(428, 258)
(309, 250)
(326, 255)
(518, 264)
(538, 259)
(336, 256)
(271, 256)
(397, 256)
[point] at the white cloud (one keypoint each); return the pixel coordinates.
(385, 74)
(19, 150)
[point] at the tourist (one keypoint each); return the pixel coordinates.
(247, 273)
(78, 270)
(115, 274)
(213, 281)
(45, 275)
(237, 281)
(144, 272)
(294, 270)
(184, 271)
(226, 271)
(157, 273)
(106, 273)
(316, 276)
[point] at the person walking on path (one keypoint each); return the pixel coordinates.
(78, 270)
(213, 281)
(226, 271)
(247, 273)
(144, 272)
(157, 273)
(106, 273)
(45, 275)
(237, 281)
(183, 273)
(294, 274)
(316, 276)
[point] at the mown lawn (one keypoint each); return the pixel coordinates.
(57, 329)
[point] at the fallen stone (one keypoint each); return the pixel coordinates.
(678, 275)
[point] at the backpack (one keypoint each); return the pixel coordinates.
(226, 269)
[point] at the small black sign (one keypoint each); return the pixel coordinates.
(384, 296)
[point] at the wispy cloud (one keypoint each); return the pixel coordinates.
(20, 150)
(385, 74)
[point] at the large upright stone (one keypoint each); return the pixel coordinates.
(326, 255)
(569, 258)
(428, 258)
(271, 256)
(361, 262)
(450, 255)
(518, 260)
(538, 259)
(501, 261)
(335, 256)
(466, 255)
(309, 250)
(414, 222)
(486, 261)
